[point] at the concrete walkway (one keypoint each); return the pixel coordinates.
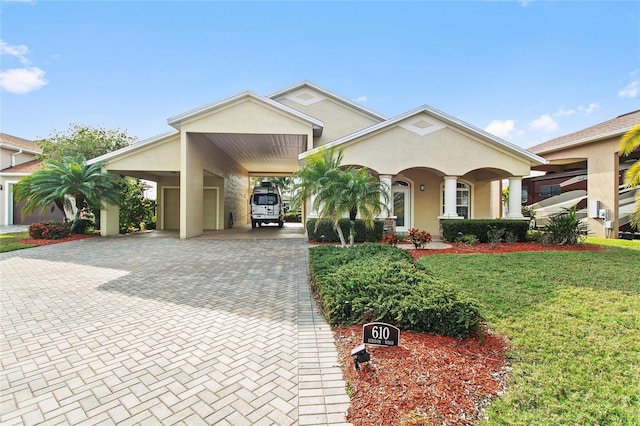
(150, 329)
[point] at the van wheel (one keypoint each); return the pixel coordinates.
(254, 224)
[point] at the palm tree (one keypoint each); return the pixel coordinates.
(340, 192)
(629, 143)
(354, 191)
(71, 184)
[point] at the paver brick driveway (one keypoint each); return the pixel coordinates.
(138, 330)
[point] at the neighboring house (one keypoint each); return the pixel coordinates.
(17, 160)
(437, 166)
(584, 169)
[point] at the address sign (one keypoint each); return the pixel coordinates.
(380, 333)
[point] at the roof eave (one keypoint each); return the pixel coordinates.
(329, 94)
(533, 158)
(584, 141)
(132, 147)
(176, 121)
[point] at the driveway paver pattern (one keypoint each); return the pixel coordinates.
(138, 330)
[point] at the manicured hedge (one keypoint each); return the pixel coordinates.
(363, 234)
(382, 283)
(451, 229)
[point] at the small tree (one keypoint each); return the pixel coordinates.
(71, 184)
(338, 193)
(89, 142)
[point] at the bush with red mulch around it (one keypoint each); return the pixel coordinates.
(44, 242)
(430, 380)
(425, 380)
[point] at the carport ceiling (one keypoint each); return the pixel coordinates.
(262, 153)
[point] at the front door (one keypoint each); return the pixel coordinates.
(401, 207)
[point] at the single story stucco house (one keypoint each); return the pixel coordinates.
(437, 166)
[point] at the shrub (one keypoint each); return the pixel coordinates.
(383, 284)
(418, 238)
(292, 217)
(363, 234)
(390, 239)
(51, 230)
(469, 240)
(495, 235)
(564, 228)
(451, 229)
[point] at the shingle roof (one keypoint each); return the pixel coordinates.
(24, 168)
(610, 128)
(16, 142)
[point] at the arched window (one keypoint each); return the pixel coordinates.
(463, 200)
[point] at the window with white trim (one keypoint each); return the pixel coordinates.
(463, 200)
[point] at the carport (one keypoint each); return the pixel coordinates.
(202, 168)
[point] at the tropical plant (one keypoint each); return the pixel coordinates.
(564, 228)
(135, 210)
(418, 238)
(71, 184)
(338, 193)
(629, 143)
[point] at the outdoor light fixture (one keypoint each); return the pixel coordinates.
(322, 238)
(421, 187)
(360, 355)
(347, 309)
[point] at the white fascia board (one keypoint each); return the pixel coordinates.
(588, 139)
(486, 135)
(329, 94)
(5, 145)
(177, 120)
(132, 147)
(438, 114)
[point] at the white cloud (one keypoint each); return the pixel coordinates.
(501, 128)
(22, 80)
(20, 51)
(362, 99)
(564, 112)
(589, 109)
(631, 90)
(545, 123)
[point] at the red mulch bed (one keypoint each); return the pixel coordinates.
(501, 248)
(72, 237)
(447, 380)
(430, 380)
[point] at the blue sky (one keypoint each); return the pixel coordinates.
(526, 71)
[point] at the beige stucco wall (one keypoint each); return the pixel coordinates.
(248, 116)
(451, 152)
(201, 155)
(339, 120)
(426, 206)
(163, 155)
(602, 178)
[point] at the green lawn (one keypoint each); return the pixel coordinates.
(573, 321)
(9, 242)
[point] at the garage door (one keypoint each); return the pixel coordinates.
(172, 209)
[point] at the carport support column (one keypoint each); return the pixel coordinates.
(450, 192)
(191, 187)
(515, 198)
(385, 180)
(109, 220)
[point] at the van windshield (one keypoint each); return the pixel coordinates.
(265, 199)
